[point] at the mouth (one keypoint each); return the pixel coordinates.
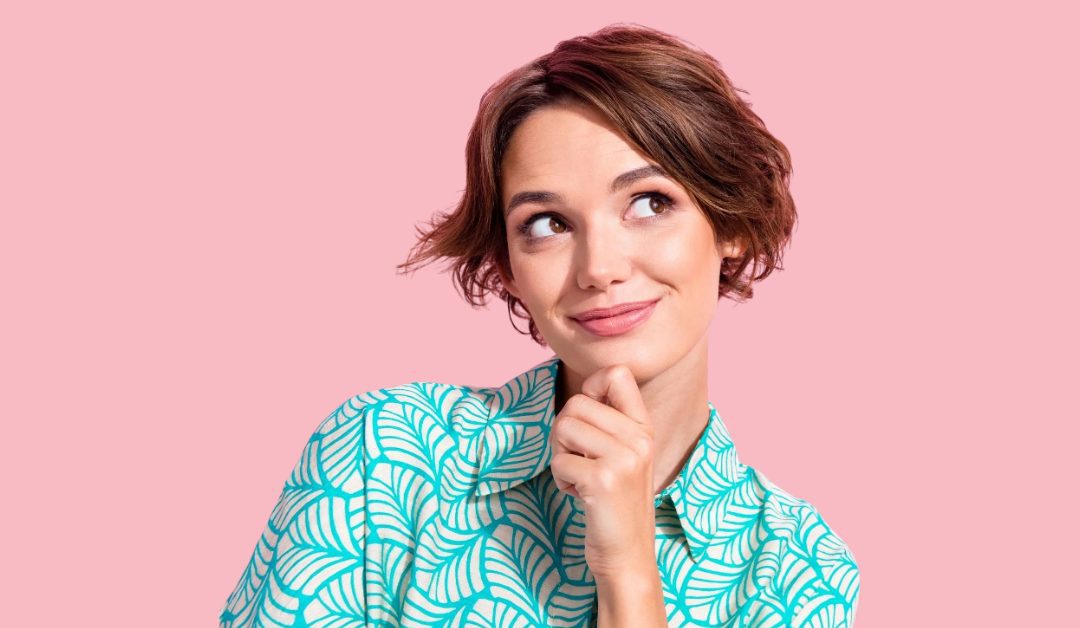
(624, 319)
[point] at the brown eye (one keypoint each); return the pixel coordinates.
(658, 203)
(543, 218)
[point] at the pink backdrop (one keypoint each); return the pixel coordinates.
(203, 206)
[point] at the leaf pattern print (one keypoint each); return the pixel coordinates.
(430, 504)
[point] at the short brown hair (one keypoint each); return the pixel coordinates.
(669, 100)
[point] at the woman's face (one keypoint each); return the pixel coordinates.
(582, 238)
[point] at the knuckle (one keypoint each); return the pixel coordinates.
(621, 372)
(643, 445)
(607, 478)
(578, 401)
(558, 461)
(565, 424)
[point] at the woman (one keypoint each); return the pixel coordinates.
(616, 188)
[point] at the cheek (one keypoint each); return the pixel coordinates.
(535, 278)
(688, 259)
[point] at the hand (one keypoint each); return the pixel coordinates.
(603, 455)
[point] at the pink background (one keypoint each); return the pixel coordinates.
(203, 207)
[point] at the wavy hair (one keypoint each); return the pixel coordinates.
(670, 101)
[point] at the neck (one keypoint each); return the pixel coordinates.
(677, 402)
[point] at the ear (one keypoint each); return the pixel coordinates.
(734, 247)
(507, 281)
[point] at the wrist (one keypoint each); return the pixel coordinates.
(630, 577)
(631, 597)
(636, 565)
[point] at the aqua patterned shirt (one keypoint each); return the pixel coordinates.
(431, 504)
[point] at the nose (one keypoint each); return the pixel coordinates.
(602, 259)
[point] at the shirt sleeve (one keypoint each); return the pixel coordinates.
(308, 565)
(827, 587)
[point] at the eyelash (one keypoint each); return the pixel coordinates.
(664, 198)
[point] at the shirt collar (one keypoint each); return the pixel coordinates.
(514, 448)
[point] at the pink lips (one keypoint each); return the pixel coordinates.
(622, 322)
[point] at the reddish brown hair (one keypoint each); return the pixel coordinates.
(670, 101)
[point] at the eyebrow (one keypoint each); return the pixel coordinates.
(617, 184)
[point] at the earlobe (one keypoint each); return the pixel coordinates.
(733, 248)
(507, 282)
(739, 248)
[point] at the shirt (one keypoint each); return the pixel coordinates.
(433, 504)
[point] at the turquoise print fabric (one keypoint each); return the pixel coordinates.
(431, 504)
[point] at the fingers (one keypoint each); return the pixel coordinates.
(616, 383)
(585, 427)
(581, 437)
(572, 470)
(596, 413)
(593, 440)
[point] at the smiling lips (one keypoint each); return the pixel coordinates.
(615, 320)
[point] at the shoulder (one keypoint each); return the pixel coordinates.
(415, 424)
(459, 408)
(456, 410)
(370, 465)
(815, 567)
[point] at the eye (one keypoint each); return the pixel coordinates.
(543, 218)
(658, 203)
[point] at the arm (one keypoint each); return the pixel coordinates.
(631, 598)
(309, 539)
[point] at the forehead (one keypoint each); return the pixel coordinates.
(565, 147)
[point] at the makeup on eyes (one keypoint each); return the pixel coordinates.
(665, 200)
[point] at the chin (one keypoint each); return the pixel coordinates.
(641, 357)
